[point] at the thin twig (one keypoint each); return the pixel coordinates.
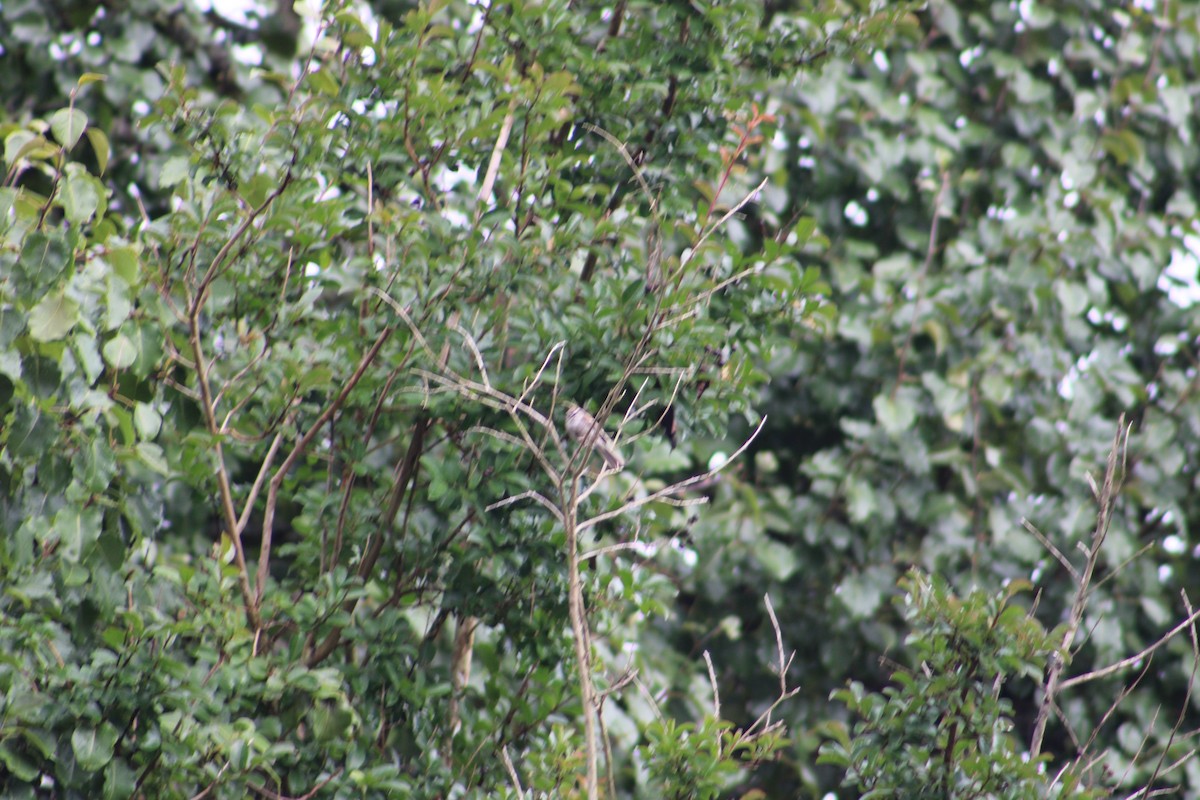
(926, 265)
(712, 680)
(674, 488)
(489, 179)
(1107, 500)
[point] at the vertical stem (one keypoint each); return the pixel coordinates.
(578, 613)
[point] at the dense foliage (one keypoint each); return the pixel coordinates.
(292, 311)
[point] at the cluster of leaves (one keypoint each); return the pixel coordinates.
(253, 551)
(272, 528)
(1003, 186)
(943, 726)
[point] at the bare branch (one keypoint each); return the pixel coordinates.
(512, 771)
(1133, 660)
(1107, 500)
(489, 178)
(674, 488)
(532, 495)
(712, 680)
(1186, 704)
(1046, 543)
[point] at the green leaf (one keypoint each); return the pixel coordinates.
(101, 147)
(119, 351)
(864, 592)
(776, 558)
(21, 768)
(146, 420)
(124, 263)
(94, 746)
(81, 196)
(151, 455)
(76, 529)
(45, 257)
(895, 414)
(68, 125)
(53, 318)
(25, 144)
(173, 171)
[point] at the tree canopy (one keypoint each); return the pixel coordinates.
(887, 308)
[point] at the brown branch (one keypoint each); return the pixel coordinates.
(402, 478)
(264, 557)
(930, 251)
(1106, 498)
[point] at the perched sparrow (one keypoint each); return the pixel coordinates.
(582, 427)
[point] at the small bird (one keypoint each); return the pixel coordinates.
(582, 427)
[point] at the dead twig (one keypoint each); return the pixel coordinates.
(1106, 498)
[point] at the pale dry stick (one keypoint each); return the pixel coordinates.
(624, 151)
(1141, 745)
(608, 550)
(532, 495)
(1119, 568)
(1106, 499)
(1049, 545)
(234, 380)
(481, 392)
(558, 348)
(474, 348)
(489, 178)
(763, 725)
(240, 404)
(256, 487)
(460, 673)
(581, 633)
(1187, 697)
(650, 699)
(687, 257)
(512, 771)
(404, 315)
(621, 682)
(706, 294)
(673, 488)
(537, 376)
(783, 665)
(712, 680)
(1125, 663)
(502, 402)
(1176, 764)
(224, 485)
(681, 375)
(1082, 749)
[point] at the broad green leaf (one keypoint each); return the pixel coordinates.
(76, 530)
(94, 746)
(53, 318)
(26, 144)
(117, 303)
(100, 147)
(119, 351)
(124, 263)
(68, 125)
(22, 768)
(895, 414)
(45, 257)
(146, 420)
(174, 171)
(864, 592)
(81, 196)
